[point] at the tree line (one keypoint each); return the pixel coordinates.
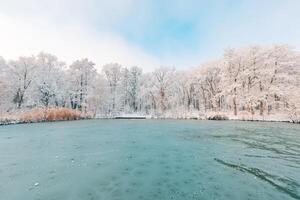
(250, 81)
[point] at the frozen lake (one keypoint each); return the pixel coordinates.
(150, 159)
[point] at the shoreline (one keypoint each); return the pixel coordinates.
(7, 123)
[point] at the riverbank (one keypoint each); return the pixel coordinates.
(243, 116)
(15, 122)
(41, 115)
(65, 114)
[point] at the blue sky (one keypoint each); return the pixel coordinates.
(148, 33)
(207, 27)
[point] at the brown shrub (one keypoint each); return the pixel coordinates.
(56, 114)
(49, 114)
(34, 115)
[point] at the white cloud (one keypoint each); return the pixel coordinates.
(72, 29)
(26, 37)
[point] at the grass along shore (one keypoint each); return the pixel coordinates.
(42, 115)
(52, 114)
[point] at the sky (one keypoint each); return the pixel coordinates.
(144, 33)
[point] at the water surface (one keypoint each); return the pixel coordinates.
(150, 159)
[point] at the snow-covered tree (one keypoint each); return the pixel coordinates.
(113, 75)
(162, 80)
(132, 82)
(22, 74)
(5, 94)
(255, 82)
(81, 75)
(49, 80)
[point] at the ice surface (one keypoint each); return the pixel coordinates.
(150, 159)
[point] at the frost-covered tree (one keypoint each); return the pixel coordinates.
(49, 80)
(133, 78)
(81, 75)
(113, 76)
(97, 97)
(162, 80)
(22, 74)
(255, 82)
(5, 93)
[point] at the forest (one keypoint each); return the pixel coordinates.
(249, 83)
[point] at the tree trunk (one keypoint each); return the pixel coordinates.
(162, 99)
(234, 106)
(261, 107)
